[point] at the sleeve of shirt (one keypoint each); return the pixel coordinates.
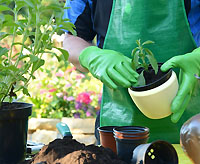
(79, 13)
(194, 20)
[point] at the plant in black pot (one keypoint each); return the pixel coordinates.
(28, 26)
(154, 90)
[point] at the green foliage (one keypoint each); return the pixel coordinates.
(30, 30)
(141, 58)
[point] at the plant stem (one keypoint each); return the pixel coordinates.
(14, 34)
(24, 38)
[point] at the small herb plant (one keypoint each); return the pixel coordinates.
(32, 31)
(143, 57)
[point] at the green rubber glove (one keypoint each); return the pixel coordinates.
(111, 67)
(189, 65)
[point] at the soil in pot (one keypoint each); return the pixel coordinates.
(67, 150)
(152, 80)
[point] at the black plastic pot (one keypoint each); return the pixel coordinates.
(128, 138)
(152, 80)
(158, 152)
(13, 131)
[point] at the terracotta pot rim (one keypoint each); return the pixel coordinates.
(106, 129)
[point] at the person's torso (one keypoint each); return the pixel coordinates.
(101, 15)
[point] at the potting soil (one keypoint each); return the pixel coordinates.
(69, 151)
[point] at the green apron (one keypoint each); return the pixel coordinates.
(165, 23)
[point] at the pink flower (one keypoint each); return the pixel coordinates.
(59, 94)
(88, 114)
(52, 90)
(84, 97)
(49, 96)
(70, 69)
(42, 91)
(70, 98)
(68, 85)
(80, 76)
(64, 97)
(59, 74)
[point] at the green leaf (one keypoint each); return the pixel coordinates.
(12, 68)
(136, 59)
(69, 27)
(37, 65)
(5, 8)
(20, 4)
(34, 58)
(153, 63)
(152, 59)
(3, 51)
(19, 43)
(148, 42)
(134, 51)
(25, 91)
(133, 65)
(3, 85)
(30, 3)
(138, 42)
(141, 79)
(53, 53)
(64, 53)
(3, 36)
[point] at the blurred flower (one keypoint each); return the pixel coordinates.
(88, 114)
(68, 85)
(42, 91)
(59, 94)
(76, 115)
(52, 90)
(70, 98)
(80, 76)
(64, 97)
(59, 74)
(85, 108)
(49, 96)
(78, 105)
(84, 97)
(70, 69)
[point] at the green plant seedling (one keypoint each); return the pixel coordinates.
(32, 31)
(142, 57)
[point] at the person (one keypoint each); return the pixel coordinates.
(174, 26)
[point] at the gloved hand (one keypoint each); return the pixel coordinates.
(189, 65)
(111, 67)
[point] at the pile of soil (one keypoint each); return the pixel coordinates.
(69, 151)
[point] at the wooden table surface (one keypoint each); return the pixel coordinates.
(183, 158)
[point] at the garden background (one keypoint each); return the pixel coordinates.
(59, 91)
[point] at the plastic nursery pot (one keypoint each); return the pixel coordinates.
(154, 99)
(13, 131)
(106, 137)
(155, 153)
(128, 138)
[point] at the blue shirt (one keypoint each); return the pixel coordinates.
(90, 21)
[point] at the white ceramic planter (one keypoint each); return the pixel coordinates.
(155, 103)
